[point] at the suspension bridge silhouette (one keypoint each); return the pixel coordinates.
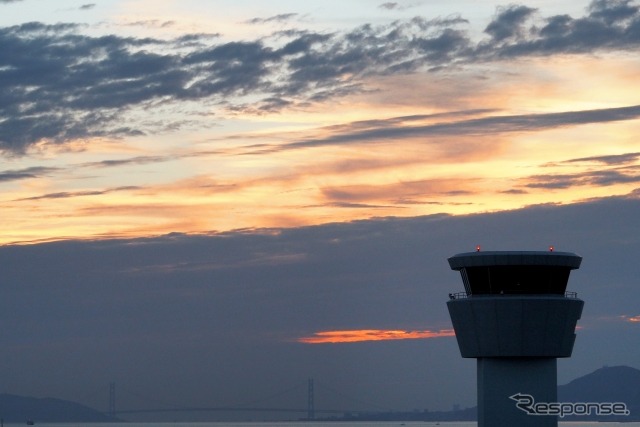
(310, 409)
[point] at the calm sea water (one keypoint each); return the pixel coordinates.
(312, 424)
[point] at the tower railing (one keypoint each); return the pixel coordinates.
(461, 295)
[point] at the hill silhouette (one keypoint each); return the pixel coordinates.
(607, 384)
(19, 409)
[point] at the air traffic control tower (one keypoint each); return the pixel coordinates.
(515, 317)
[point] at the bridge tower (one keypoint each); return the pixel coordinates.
(515, 317)
(311, 410)
(112, 400)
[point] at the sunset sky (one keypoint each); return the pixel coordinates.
(133, 118)
(313, 164)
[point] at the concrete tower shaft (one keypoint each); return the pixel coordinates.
(515, 317)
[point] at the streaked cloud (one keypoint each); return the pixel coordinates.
(137, 160)
(606, 177)
(26, 173)
(359, 335)
(398, 128)
(72, 194)
(614, 159)
(401, 192)
(283, 17)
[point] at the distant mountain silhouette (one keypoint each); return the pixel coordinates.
(19, 409)
(607, 384)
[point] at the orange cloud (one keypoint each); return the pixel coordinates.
(627, 318)
(358, 335)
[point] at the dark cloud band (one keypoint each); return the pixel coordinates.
(57, 84)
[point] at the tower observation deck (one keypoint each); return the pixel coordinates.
(515, 317)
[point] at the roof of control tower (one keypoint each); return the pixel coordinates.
(515, 272)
